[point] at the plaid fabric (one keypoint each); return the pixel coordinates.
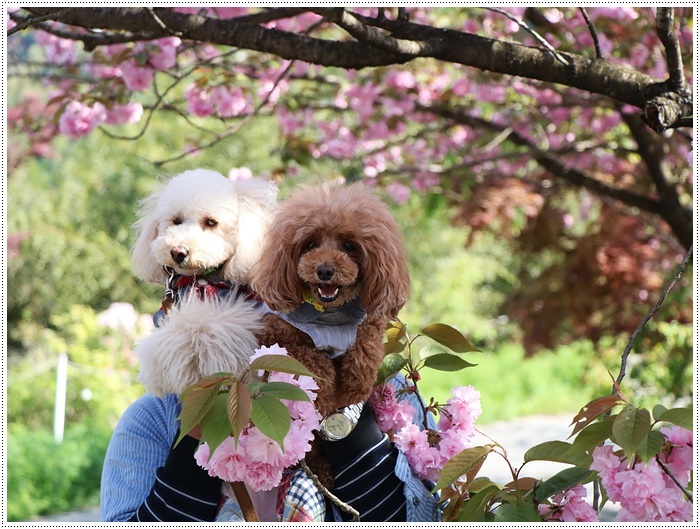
(303, 502)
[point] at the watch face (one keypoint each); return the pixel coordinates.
(336, 426)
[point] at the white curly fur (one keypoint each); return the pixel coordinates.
(197, 339)
(201, 338)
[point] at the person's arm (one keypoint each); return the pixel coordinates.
(363, 465)
(360, 462)
(145, 478)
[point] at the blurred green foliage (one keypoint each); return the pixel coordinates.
(44, 477)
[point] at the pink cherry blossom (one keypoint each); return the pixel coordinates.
(129, 112)
(391, 414)
(198, 101)
(58, 51)
(240, 173)
(568, 506)
(79, 119)
(228, 102)
(119, 316)
(163, 53)
(399, 192)
(680, 459)
(136, 78)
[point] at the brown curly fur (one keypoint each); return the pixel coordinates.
(348, 230)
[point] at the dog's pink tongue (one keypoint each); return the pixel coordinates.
(328, 291)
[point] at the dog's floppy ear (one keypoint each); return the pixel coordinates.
(146, 228)
(256, 200)
(276, 279)
(386, 284)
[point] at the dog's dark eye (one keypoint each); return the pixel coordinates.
(177, 221)
(210, 223)
(349, 246)
(310, 246)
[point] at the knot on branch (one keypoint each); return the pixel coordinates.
(669, 110)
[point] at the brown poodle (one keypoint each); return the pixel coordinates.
(333, 271)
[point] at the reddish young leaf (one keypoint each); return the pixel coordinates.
(594, 409)
(239, 407)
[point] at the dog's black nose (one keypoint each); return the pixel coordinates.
(179, 254)
(325, 272)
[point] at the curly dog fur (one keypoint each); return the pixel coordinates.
(197, 222)
(336, 245)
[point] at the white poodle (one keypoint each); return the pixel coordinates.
(201, 236)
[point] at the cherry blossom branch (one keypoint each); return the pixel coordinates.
(667, 107)
(33, 21)
(651, 148)
(372, 36)
(532, 32)
(673, 478)
(161, 96)
(649, 315)
(592, 31)
(664, 30)
(548, 162)
(218, 139)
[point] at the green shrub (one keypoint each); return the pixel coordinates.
(44, 477)
(511, 386)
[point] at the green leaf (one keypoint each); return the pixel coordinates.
(446, 362)
(682, 417)
(392, 364)
(558, 451)
(561, 481)
(281, 364)
(479, 484)
(651, 445)
(395, 333)
(272, 418)
(394, 347)
(593, 434)
(473, 509)
(196, 401)
(658, 411)
(449, 337)
(630, 428)
(523, 511)
(215, 424)
(284, 390)
(239, 408)
(461, 464)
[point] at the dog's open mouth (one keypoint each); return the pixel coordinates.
(328, 293)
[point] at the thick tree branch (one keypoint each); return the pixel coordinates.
(403, 40)
(651, 149)
(664, 29)
(550, 163)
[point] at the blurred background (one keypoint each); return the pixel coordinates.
(74, 308)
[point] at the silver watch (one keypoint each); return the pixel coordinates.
(340, 423)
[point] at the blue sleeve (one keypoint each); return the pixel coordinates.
(421, 506)
(146, 478)
(139, 446)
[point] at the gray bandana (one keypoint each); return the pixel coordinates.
(333, 330)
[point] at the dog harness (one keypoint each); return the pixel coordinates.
(333, 330)
(208, 285)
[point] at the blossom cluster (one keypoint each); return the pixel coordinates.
(427, 450)
(645, 491)
(568, 506)
(257, 460)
